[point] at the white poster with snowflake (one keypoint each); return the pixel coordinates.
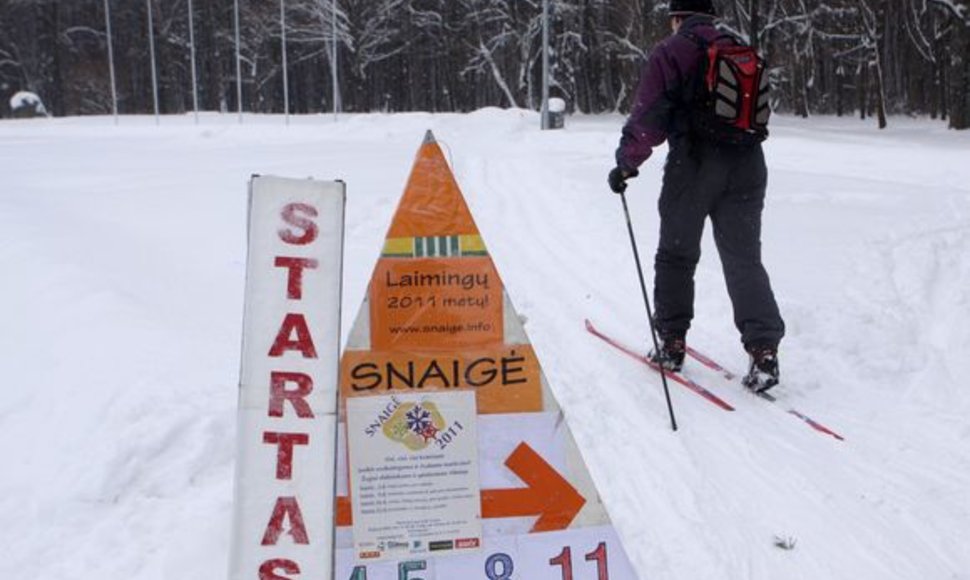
(414, 475)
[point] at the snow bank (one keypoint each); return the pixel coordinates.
(123, 254)
(27, 103)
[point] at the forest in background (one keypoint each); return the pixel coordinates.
(846, 57)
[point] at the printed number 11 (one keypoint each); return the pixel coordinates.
(565, 561)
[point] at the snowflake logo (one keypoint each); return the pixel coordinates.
(414, 425)
(419, 420)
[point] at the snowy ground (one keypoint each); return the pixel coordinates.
(122, 251)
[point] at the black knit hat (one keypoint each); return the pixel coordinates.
(685, 7)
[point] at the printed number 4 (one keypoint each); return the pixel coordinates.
(565, 561)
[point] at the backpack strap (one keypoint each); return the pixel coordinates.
(697, 39)
(703, 43)
(709, 48)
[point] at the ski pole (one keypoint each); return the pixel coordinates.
(646, 301)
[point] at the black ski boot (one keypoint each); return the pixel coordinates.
(672, 351)
(763, 373)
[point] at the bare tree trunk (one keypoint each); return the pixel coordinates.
(839, 91)
(959, 73)
(871, 39)
(880, 94)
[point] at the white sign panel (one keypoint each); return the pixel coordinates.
(285, 465)
(593, 553)
(414, 481)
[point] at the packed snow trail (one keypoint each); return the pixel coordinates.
(123, 257)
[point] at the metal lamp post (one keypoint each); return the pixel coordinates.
(544, 112)
(195, 82)
(151, 50)
(333, 62)
(239, 95)
(286, 84)
(111, 62)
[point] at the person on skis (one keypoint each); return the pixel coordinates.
(705, 175)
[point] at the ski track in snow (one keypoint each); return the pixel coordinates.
(124, 253)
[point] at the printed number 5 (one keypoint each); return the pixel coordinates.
(403, 571)
(405, 568)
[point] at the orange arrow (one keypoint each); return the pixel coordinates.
(547, 495)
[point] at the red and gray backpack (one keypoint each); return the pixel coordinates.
(730, 103)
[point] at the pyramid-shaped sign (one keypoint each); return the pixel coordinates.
(454, 459)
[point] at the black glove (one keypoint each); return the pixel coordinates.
(618, 177)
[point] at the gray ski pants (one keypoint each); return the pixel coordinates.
(728, 185)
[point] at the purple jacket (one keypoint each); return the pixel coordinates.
(660, 109)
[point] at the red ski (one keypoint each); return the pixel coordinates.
(693, 386)
(711, 364)
(816, 425)
(680, 379)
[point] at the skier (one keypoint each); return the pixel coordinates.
(703, 177)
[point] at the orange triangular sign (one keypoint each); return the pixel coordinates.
(458, 456)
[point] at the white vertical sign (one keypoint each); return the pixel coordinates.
(285, 465)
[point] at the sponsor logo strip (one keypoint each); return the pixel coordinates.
(454, 246)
